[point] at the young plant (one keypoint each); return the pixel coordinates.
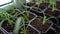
(26, 15)
(24, 27)
(53, 4)
(44, 19)
(18, 26)
(20, 4)
(6, 16)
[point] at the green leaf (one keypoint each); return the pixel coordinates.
(17, 26)
(44, 20)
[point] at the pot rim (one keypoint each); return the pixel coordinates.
(47, 29)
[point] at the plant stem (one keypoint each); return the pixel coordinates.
(44, 20)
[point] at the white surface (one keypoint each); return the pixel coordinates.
(4, 1)
(6, 5)
(27, 1)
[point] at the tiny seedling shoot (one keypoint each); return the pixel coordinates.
(18, 26)
(6, 16)
(53, 4)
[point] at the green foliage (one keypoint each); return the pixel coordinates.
(53, 4)
(17, 25)
(6, 16)
(44, 19)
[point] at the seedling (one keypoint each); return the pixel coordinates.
(26, 15)
(53, 4)
(6, 16)
(44, 20)
(18, 26)
(20, 3)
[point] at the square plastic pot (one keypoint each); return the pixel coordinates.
(54, 13)
(43, 28)
(31, 17)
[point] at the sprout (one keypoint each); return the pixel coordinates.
(53, 4)
(5, 16)
(44, 20)
(17, 25)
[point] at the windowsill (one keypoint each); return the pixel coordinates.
(4, 1)
(4, 5)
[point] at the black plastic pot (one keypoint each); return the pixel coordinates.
(58, 4)
(17, 11)
(38, 12)
(51, 24)
(2, 31)
(5, 32)
(7, 27)
(29, 28)
(30, 4)
(56, 21)
(54, 13)
(57, 29)
(33, 14)
(51, 32)
(58, 24)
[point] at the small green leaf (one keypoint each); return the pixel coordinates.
(17, 25)
(44, 20)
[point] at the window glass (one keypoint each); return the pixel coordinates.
(4, 1)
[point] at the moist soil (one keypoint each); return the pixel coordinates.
(31, 31)
(31, 16)
(38, 25)
(58, 5)
(1, 32)
(7, 26)
(42, 6)
(12, 12)
(30, 4)
(52, 13)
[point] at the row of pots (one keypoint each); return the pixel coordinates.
(35, 26)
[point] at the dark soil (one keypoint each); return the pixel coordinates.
(31, 16)
(42, 6)
(58, 21)
(51, 32)
(1, 32)
(12, 12)
(58, 5)
(7, 26)
(31, 31)
(56, 28)
(52, 13)
(30, 4)
(38, 25)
